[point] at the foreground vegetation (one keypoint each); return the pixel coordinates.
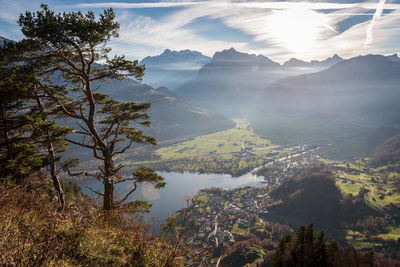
(43, 221)
(33, 233)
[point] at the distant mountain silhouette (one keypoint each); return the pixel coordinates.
(237, 79)
(293, 62)
(363, 88)
(232, 56)
(173, 68)
(394, 58)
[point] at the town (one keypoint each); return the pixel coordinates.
(218, 216)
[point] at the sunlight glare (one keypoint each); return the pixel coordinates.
(298, 29)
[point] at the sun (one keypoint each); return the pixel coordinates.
(298, 29)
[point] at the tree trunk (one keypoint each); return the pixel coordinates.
(108, 194)
(56, 180)
(53, 167)
(5, 132)
(108, 198)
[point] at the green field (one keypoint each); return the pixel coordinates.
(235, 151)
(380, 188)
(367, 241)
(221, 143)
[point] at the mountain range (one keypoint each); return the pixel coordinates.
(293, 62)
(233, 77)
(359, 88)
(172, 68)
(363, 88)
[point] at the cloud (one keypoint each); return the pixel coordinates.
(141, 35)
(351, 42)
(174, 28)
(137, 5)
(145, 34)
(231, 4)
(377, 15)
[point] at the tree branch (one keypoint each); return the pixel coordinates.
(108, 132)
(123, 150)
(75, 174)
(79, 144)
(94, 191)
(127, 195)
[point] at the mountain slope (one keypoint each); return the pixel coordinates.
(173, 68)
(388, 152)
(228, 79)
(233, 80)
(364, 88)
(171, 116)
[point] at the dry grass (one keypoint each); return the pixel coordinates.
(33, 233)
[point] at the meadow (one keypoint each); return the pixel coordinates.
(223, 143)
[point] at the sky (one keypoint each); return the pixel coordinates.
(277, 29)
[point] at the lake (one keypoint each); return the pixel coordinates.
(169, 199)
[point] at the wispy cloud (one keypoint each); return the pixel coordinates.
(246, 4)
(138, 5)
(146, 35)
(377, 15)
(169, 32)
(183, 27)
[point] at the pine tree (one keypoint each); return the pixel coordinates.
(44, 131)
(279, 257)
(49, 135)
(70, 44)
(19, 157)
(298, 253)
(321, 257)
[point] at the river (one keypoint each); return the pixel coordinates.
(171, 198)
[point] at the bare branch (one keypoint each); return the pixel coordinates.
(130, 192)
(81, 111)
(79, 144)
(94, 191)
(124, 149)
(106, 135)
(83, 127)
(124, 180)
(69, 63)
(80, 132)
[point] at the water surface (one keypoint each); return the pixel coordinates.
(169, 199)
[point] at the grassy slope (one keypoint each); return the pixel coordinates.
(35, 234)
(356, 175)
(351, 178)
